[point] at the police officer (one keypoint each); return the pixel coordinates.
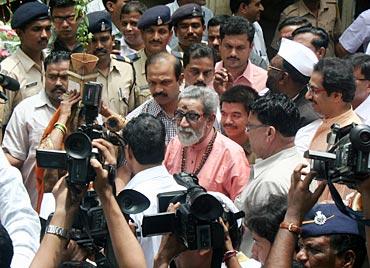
(115, 72)
(188, 23)
(31, 21)
(156, 32)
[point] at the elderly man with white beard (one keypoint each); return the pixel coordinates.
(219, 163)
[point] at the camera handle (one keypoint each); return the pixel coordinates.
(358, 216)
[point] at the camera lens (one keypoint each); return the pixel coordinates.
(78, 145)
(360, 138)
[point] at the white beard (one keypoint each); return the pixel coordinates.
(189, 136)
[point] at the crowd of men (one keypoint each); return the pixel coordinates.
(198, 94)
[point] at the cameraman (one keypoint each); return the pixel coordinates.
(174, 252)
(327, 237)
(126, 248)
(144, 152)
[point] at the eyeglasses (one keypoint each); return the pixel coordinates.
(191, 117)
(361, 79)
(61, 19)
(314, 89)
(249, 127)
(275, 69)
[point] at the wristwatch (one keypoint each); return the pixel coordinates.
(58, 231)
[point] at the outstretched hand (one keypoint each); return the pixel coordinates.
(68, 101)
(300, 198)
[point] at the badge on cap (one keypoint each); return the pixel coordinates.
(194, 13)
(159, 21)
(103, 27)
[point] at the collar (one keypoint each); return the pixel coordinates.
(247, 74)
(26, 61)
(154, 108)
(340, 118)
(146, 175)
(43, 100)
(303, 7)
(204, 143)
(364, 108)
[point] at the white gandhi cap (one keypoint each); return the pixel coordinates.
(299, 56)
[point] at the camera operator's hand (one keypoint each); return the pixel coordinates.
(126, 248)
(300, 198)
(67, 199)
(68, 101)
(101, 184)
(170, 245)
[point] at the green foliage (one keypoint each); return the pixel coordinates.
(83, 35)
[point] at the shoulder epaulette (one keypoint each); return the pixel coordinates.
(177, 54)
(127, 59)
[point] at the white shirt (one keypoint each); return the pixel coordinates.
(268, 176)
(125, 48)
(17, 215)
(363, 111)
(259, 45)
(304, 136)
(150, 182)
(23, 133)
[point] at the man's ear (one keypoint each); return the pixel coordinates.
(211, 119)
(347, 259)
(337, 97)
(110, 6)
(321, 52)
(271, 133)
(181, 79)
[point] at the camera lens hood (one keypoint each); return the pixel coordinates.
(78, 145)
(360, 138)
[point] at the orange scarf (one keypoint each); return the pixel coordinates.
(40, 171)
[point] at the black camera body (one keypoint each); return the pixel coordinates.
(195, 221)
(347, 161)
(78, 148)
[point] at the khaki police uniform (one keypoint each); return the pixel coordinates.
(328, 18)
(119, 86)
(29, 75)
(142, 93)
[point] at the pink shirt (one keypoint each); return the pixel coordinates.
(253, 76)
(226, 169)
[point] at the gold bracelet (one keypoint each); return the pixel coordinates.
(61, 127)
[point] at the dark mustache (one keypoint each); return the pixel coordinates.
(98, 50)
(159, 94)
(200, 83)
(60, 88)
(232, 58)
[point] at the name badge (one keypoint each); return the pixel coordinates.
(32, 84)
(144, 87)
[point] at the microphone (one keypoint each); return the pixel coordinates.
(9, 83)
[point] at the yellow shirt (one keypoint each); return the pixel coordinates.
(29, 75)
(118, 87)
(142, 93)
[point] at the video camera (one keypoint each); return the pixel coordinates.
(195, 221)
(347, 161)
(78, 148)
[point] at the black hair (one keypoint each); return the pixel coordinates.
(337, 77)
(296, 76)
(361, 61)
(6, 245)
(235, 4)
(133, 6)
(60, 3)
(344, 242)
(265, 219)
(279, 111)
(165, 55)
(217, 20)
(55, 57)
(322, 39)
(149, 147)
(236, 25)
(197, 51)
(294, 21)
(239, 94)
